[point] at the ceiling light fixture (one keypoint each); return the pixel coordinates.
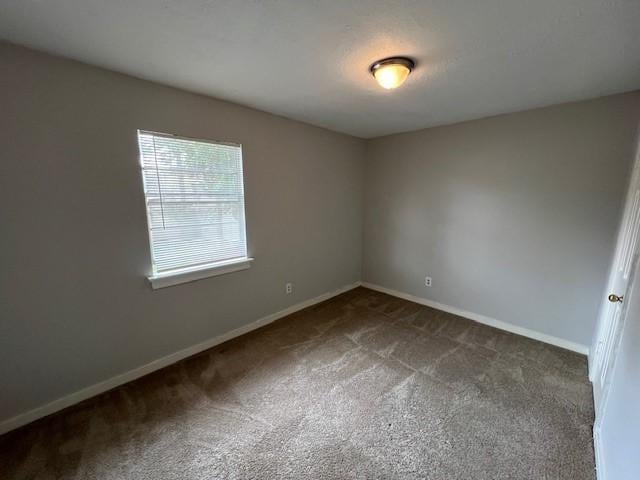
(392, 72)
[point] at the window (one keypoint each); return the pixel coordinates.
(195, 207)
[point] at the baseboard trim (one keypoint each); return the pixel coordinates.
(492, 322)
(597, 447)
(76, 397)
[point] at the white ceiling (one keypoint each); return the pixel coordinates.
(308, 59)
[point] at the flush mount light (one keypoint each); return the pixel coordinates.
(392, 72)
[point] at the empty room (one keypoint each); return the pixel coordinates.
(293, 239)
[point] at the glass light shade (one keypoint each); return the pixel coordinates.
(392, 72)
(391, 75)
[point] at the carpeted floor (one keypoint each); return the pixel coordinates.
(362, 386)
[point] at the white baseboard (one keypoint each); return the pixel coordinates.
(525, 332)
(597, 446)
(93, 390)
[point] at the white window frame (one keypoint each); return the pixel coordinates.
(190, 274)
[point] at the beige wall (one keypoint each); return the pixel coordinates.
(76, 308)
(514, 216)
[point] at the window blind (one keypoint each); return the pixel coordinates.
(195, 201)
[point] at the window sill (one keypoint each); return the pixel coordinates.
(176, 277)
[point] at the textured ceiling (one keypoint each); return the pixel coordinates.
(309, 60)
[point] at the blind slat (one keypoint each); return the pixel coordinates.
(195, 201)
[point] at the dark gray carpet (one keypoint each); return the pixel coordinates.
(362, 386)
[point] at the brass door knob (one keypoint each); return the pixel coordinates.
(615, 298)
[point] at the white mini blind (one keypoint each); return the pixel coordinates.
(195, 201)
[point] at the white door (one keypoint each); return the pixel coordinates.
(612, 311)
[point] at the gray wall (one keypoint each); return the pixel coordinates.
(513, 216)
(620, 429)
(76, 307)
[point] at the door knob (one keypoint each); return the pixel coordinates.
(615, 298)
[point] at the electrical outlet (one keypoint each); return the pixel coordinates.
(427, 281)
(288, 288)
